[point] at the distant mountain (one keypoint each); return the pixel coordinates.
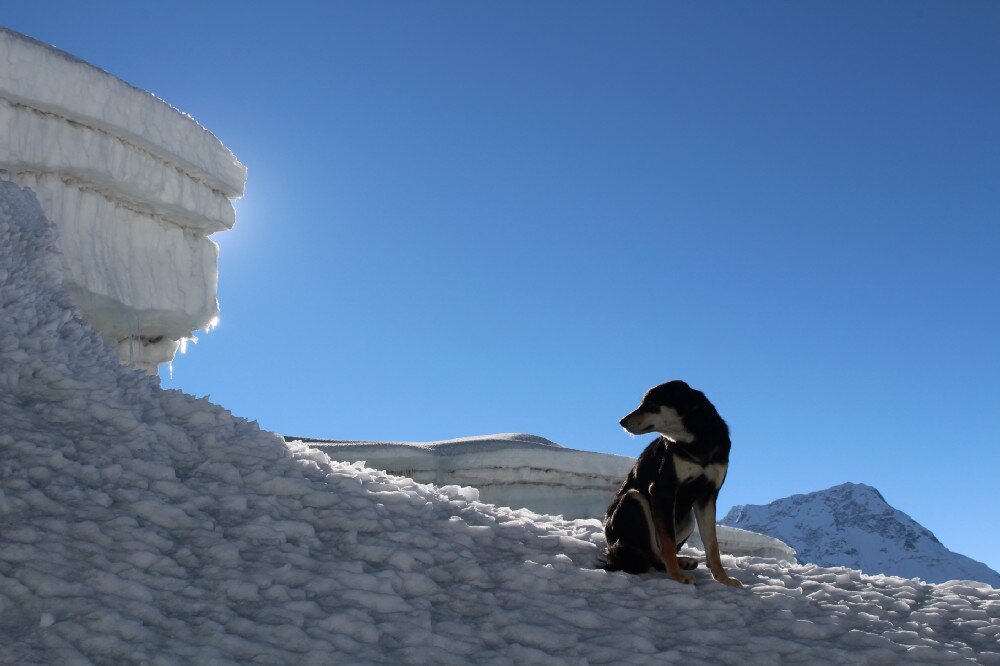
(852, 525)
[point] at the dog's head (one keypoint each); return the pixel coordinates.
(664, 409)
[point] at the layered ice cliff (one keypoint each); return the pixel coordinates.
(134, 186)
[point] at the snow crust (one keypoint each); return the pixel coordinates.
(736, 541)
(147, 526)
(852, 525)
(515, 470)
(134, 187)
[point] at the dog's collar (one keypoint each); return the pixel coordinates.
(686, 452)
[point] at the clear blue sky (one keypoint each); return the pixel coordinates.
(466, 218)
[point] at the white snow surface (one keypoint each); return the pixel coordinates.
(510, 469)
(736, 541)
(526, 471)
(134, 186)
(139, 525)
(852, 525)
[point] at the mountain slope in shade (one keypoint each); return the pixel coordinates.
(852, 525)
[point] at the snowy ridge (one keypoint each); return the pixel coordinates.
(852, 525)
(526, 471)
(134, 186)
(516, 470)
(147, 526)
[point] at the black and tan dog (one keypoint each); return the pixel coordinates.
(677, 475)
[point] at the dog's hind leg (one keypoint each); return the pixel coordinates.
(682, 530)
(668, 547)
(647, 512)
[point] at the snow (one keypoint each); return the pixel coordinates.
(42, 77)
(134, 186)
(736, 541)
(139, 525)
(852, 525)
(510, 469)
(525, 471)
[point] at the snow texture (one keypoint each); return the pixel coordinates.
(516, 470)
(736, 541)
(139, 525)
(852, 525)
(526, 471)
(134, 186)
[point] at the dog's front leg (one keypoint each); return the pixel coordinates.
(704, 513)
(668, 547)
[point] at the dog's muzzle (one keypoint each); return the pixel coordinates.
(629, 424)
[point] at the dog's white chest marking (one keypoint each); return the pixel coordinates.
(688, 470)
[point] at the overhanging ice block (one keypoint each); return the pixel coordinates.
(134, 187)
(43, 77)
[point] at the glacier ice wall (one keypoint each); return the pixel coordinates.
(134, 187)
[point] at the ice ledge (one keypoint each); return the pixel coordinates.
(134, 188)
(45, 78)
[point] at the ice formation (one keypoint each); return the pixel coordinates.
(514, 470)
(526, 471)
(134, 186)
(147, 526)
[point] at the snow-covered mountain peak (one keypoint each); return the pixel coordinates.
(852, 525)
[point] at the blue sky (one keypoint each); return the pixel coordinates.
(465, 218)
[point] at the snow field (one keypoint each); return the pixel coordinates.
(511, 469)
(139, 525)
(520, 470)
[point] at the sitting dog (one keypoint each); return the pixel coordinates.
(678, 474)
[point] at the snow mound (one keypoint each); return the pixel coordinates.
(134, 186)
(527, 471)
(852, 525)
(147, 526)
(734, 541)
(516, 470)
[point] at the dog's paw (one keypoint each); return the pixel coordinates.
(687, 563)
(731, 582)
(684, 578)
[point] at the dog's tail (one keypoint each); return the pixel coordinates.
(625, 557)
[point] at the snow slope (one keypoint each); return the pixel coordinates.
(852, 525)
(509, 469)
(139, 525)
(525, 471)
(135, 187)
